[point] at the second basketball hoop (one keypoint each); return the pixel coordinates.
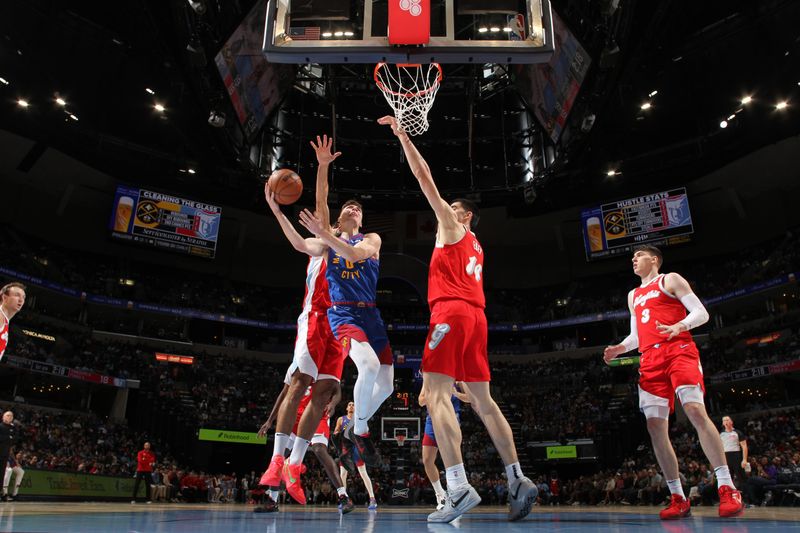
(410, 90)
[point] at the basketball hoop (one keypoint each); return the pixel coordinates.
(410, 90)
(401, 439)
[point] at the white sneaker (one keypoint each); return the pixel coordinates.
(457, 503)
(441, 501)
(521, 496)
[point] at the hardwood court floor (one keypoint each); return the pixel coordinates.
(37, 517)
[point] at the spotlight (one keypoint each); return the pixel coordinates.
(507, 30)
(348, 34)
(73, 117)
(22, 103)
(327, 34)
(494, 29)
(612, 172)
(783, 104)
(652, 94)
(732, 117)
(483, 29)
(216, 119)
(148, 90)
(60, 101)
(198, 6)
(747, 100)
(160, 108)
(723, 124)
(338, 34)
(645, 106)
(5, 81)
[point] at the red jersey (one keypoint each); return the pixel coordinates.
(144, 460)
(3, 334)
(456, 272)
(317, 297)
(652, 306)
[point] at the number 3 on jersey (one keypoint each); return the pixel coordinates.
(474, 268)
(645, 316)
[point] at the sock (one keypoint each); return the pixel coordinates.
(281, 441)
(299, 451)
(367, 481)
(513, 472)
(438, 489)
(456, 477)
(341, 491)
(343, 475)
(675, 487)
(383, 388)
(368, 366)
(273, 494)
(723, 474)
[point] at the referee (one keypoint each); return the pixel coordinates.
(735, 445)
(8, 436)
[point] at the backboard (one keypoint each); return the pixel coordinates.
(357, 31)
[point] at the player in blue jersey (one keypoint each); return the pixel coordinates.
(430, 448)
(342, 424)
(352, 271)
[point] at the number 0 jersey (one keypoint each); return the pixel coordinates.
(652, 306)
(456, 272)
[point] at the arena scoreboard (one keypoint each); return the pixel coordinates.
(661, 218)
(165, 221)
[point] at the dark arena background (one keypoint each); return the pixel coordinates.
(162, 299)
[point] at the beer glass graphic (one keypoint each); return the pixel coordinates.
(595, 233)
(123, 215)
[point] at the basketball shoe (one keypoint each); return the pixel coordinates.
(730, 502)
(678, 508)
(294, 486)
(364, 446)
(441, 501)
(269, 506)
(373, 504)
(345, 504)
(458, 502)
(521, 497)
(272, 476)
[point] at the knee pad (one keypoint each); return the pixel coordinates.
(689, 394)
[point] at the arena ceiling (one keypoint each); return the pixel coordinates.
(111, 62)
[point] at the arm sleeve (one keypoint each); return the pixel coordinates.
(697, 312)
(631, 342)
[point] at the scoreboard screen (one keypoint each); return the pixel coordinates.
(661, 218)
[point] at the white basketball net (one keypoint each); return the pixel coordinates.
(409, 90)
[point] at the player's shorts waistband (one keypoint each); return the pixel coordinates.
(355, 304)
(455, 300)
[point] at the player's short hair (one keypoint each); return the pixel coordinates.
(470, 207)
(353, 202)
(652, 250)
(13, 285)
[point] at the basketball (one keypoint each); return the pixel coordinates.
(286, 185)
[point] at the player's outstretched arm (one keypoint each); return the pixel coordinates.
(325, 156)
(629, 343)
(336, 397)
(274, 413)
(368, 247)
(311, 246)
(419, 167)
(338, 427)
(677, 286)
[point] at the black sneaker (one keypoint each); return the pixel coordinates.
(345, 504)
(364, 446)
(268, 507)
(346, 460)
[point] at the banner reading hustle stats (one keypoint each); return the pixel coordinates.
(662, 218)
(165, 221)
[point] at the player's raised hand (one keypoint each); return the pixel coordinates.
(671, 331)
(311, 222)
(389, 120)
(270, 196)
(612, 352)
(323, 148)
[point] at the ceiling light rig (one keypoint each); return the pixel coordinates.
(6, 82)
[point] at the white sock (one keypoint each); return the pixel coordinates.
(368, 366)
(675, 487)
(343, 476)
(383, 388)
(513, 472)
(299, 451)
(723, 474)
(456, 477)
(341, 491)
(281, 441)
(367, 481)
(438, 489)
(273, 494)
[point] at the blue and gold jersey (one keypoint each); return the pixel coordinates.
(352, 283)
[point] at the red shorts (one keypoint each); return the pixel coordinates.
(323, 428)
(665, 368)
(456, 343)
(316, 352)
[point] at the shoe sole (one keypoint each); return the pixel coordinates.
(526, 508)
(687, 515)
(740, 512)
(466, 510)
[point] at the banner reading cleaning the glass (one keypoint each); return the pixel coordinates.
(165, 221)
(662, 218)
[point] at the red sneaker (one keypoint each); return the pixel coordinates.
(678, 508)
(272, 477)
(294, 486)
(730, 502)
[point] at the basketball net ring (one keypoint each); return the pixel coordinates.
(401, 439)
(409, 89)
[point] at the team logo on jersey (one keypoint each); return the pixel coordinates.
(477, 247)
(439, 331)
(642, 298)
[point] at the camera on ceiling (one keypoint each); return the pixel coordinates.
(216, 119)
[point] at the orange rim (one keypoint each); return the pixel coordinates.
(383, 88)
